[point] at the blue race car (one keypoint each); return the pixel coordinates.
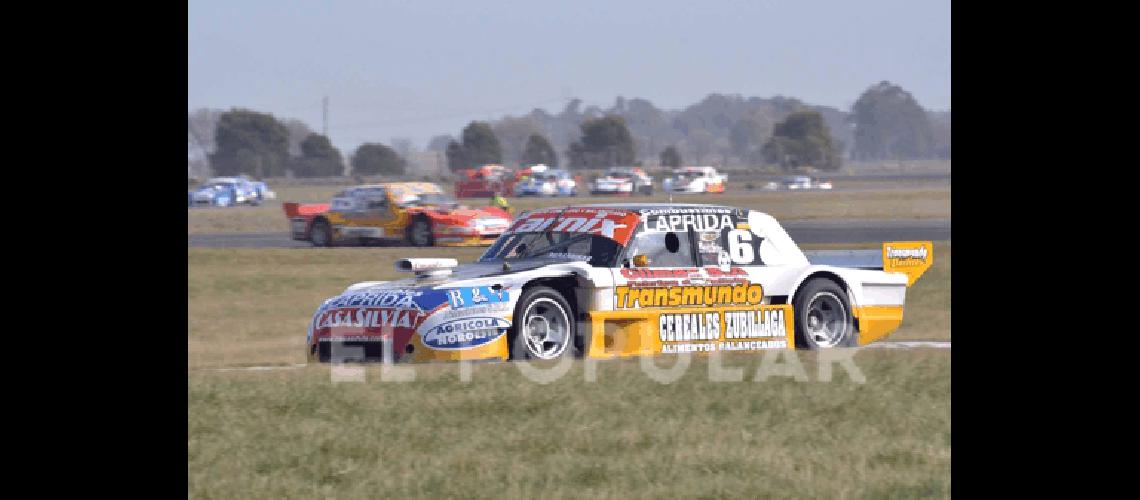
(224, 192)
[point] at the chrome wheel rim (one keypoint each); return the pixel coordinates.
(545, 328)
(826, 323)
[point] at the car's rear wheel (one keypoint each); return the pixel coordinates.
(823, 316)
(321, 234)
(543, 327)
(419, 234)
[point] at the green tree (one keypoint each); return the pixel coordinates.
(318, 158)
(801, 140)
(479, 147)
(890, 124)
(670, 158)
(605, 142)
(538, 150)
(456, 157)
(372, 159)
(251, 143)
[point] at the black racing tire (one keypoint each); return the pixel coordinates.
(419, 233)
(555, 310)
(822, 316)
(321, 233)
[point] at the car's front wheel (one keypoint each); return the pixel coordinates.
(419, 234)
(823, 316)
(544, 325)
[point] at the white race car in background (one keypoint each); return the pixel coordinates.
(623, 180)
(699, 180)
(617, 280)
(799, 183)
(548, 183)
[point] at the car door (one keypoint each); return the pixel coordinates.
(364, 214)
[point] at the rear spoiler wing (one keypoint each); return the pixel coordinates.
(911, 258)
(293, 209)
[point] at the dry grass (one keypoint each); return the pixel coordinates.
(871, 200)
(298, 434)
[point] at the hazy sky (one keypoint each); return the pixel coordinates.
(416, 69)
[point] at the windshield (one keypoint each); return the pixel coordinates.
(689, 175)
(597, 250)
(432, 199)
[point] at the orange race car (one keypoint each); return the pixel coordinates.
(419, 213)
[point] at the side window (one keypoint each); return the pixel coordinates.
(377, 202)
(663, 248)
(729, 246)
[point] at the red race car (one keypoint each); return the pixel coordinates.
(418, 213)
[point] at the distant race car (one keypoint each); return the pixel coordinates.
(623, 180)
(799, 183)
(418, 213)
(621, 280)
(699, 180)
(261, 189)
(550, 182)
(485, 181)
(225, 192)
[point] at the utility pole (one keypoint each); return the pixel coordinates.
(325, 115)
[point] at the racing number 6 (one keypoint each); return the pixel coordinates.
(740, 246)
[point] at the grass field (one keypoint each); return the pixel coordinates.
(871, 200)
(296, 433)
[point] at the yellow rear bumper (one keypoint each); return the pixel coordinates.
(876, 322)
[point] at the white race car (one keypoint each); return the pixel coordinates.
(800, 183)
(699, 180)
(624, 280)
(548, 183)
(623, 180)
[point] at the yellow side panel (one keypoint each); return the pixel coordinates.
(876, 322)
(638, 332)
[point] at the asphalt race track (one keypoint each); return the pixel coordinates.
(805, 231)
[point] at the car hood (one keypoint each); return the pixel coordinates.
(483, 272)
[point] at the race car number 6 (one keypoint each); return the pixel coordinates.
(740, 246)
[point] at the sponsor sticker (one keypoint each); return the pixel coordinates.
(745, 293)
(394, 298)
(465, 333)
(764, 328)
(459, 298)
(617, 225)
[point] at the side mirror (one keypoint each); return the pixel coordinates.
(640, 261)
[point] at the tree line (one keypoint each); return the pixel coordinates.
(885, 123)
(258, 144)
